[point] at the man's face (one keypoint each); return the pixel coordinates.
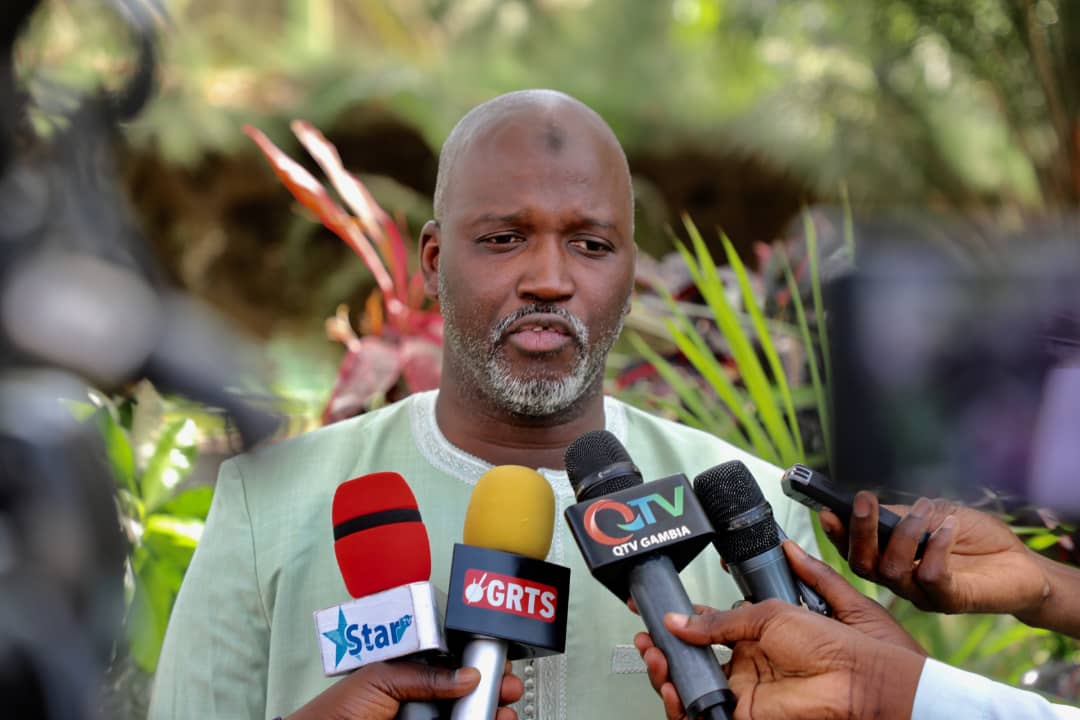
(535, 264)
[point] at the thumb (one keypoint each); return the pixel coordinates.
(745, 623)
(407, 681)
(828, 583)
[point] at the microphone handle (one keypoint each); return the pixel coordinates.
(417, 710)
(695, 671)
(488, 655)
(766, 576)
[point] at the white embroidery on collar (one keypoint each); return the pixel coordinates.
(445, 456)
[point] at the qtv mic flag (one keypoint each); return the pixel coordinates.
(385, 559)
(505, 601)
(635, 537)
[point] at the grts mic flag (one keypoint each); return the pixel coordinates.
(505, 601)
(385, 559)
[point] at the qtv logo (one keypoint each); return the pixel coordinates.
(636, 515)
(503, 593)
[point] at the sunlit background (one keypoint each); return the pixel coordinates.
(767, 139)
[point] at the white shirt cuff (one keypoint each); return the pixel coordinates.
(947, 693)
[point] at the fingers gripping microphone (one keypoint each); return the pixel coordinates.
(505, 601)
(747, 537)
(662, 529)
(383, 552)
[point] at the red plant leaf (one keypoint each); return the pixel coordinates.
(314, 197)
(370, 370)
(375, 222)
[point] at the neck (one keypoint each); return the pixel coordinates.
(505, 438)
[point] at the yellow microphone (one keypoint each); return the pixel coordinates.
(505, 600)
(512, 509)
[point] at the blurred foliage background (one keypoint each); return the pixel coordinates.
(737, 113)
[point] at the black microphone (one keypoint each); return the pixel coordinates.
(747, 537)
(662, 529)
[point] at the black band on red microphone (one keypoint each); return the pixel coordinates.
(376, 519)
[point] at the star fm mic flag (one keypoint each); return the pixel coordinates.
(385, 559)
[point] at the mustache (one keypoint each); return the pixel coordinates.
(578, 332)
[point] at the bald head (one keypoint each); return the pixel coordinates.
(554, 120)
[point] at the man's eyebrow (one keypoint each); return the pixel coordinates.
(523, 216)
(499, 218)
(596, 223)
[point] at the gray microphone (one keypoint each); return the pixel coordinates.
(747, 537)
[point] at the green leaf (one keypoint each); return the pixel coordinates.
(689, 395)
(696, 349)
(171, 539)
(742, 350)
(811, 357)
(693, 345)
(191, 503)
(155, 592)
(1042, 542)
(791, 453)
(972, 641)
(171, 461)
(118, 449)
(819, 305)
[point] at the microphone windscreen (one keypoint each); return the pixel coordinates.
(727, 491)
(379, 539)
(511, 509)
(593, 452)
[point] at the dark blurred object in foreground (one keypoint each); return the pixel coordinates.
(957, 373)
(81, 304)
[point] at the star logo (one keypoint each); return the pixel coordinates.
(337, 636)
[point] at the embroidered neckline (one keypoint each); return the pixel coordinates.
(466, 467)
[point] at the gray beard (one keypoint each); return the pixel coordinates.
(530, 396)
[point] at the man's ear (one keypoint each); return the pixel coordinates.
(429, 257)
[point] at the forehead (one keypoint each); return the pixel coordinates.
(542, 164)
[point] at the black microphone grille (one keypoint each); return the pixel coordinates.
(737, 510)
(589, 465)
(727, 490)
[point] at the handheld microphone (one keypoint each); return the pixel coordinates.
(747, 536)
(504, 600)
(383, 552)
(663, 528)
(818, 492)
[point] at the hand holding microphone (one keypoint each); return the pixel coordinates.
(967, 557)
(791, 646)
(789, 663)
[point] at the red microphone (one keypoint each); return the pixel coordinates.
(379, 539)
(383, 552)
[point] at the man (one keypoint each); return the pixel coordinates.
(788, 663)
(531, 255)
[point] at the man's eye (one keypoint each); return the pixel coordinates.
(501, 239)
(592, 246)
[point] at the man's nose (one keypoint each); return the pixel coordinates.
(546, 276)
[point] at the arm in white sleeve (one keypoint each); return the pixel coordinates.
(947, 693)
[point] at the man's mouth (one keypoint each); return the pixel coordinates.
(540, 333)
